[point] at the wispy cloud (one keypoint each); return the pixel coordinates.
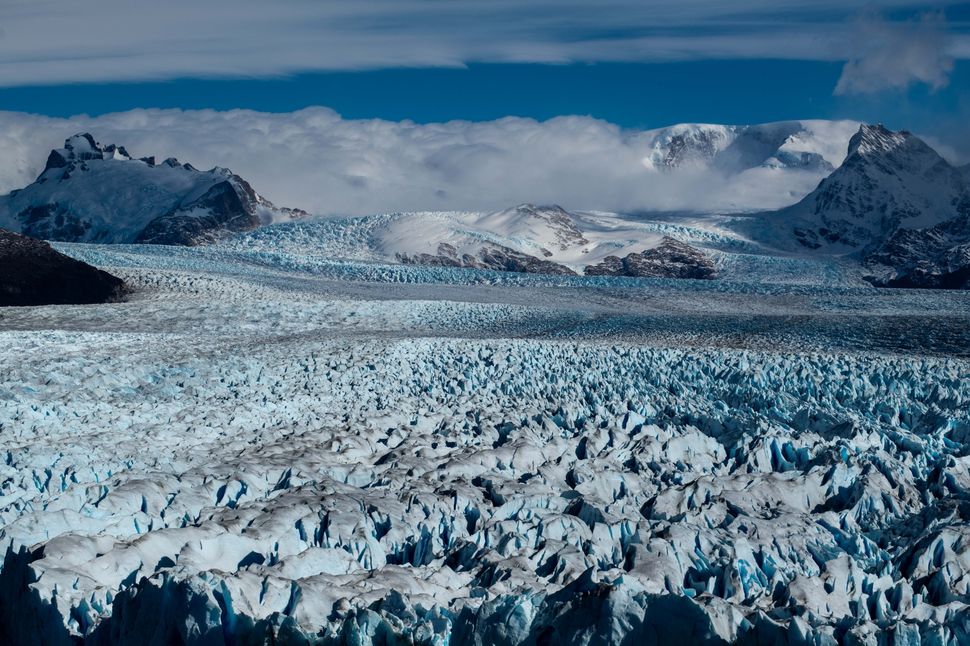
(894, 56)
(61, 41)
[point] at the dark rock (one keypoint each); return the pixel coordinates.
(670, 259)
(55, 160)
(494, 257)
(33, 273)
(502, 258)
(931, 258)
(52, 222)
(230, 206)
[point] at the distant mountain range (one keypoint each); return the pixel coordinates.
(887, 201)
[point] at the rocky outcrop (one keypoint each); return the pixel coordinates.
(492, 256)
(670, 259)
(33, 273)
(933, 258)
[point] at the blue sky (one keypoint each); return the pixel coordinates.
(635, 95)
(637, 63)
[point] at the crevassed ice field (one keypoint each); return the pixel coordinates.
(271, 447)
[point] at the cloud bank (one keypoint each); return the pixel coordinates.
(894, 56)
(59, 41)
(315, 160)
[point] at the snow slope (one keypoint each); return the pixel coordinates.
(253, 452)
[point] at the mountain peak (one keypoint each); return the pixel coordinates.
(82, 143)
(527, 208)
(878, 139)
(895, 203)
(83, 147)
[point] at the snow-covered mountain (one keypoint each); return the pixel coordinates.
(536, 239)
(525, 238)
(93, 193)
(889, 180)
(812, 145)
(740, 168)
(895, 204)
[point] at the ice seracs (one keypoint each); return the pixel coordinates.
(93, 193)
(259, 447)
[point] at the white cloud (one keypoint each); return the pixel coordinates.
(894, 56)
(314, 159)
(62, 41)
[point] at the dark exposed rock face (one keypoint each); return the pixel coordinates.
(229, 206)
(33, 273)
(93, 193)
(670, 259)
(932, 258)
(505, 259)
(492, 256)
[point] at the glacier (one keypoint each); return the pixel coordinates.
(267, 445)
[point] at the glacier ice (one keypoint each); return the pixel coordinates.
(253, 451)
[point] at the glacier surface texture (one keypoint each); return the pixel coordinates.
(264, 448)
